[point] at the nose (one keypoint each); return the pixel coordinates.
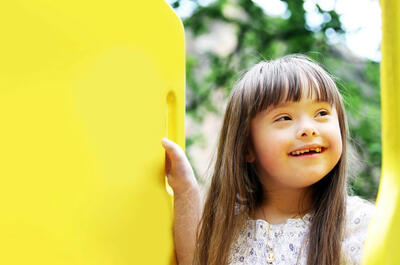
(306, 130)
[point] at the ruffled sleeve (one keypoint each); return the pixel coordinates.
(358, 216)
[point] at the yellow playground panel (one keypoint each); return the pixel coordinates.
(384, 232)
(87, 91)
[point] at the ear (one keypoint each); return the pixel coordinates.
(250, 156)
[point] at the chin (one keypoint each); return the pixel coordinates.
(312, 180)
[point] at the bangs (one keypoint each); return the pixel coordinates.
(288, 79)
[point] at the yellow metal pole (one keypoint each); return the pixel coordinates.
(384, 232)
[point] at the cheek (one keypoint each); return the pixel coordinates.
(339, 148)
(336, 144)
(272, 148)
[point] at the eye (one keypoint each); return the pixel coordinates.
(323, 113)
(284, 118)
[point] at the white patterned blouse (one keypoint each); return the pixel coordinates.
(289, 239)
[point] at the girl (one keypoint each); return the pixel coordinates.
(278, 190)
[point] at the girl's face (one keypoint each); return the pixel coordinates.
(281, 134)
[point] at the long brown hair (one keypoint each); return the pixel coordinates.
(235, 189)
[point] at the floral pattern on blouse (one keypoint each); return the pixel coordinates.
(289, 239)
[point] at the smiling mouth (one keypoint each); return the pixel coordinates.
(308, 152)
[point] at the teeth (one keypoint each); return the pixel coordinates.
(318, 150)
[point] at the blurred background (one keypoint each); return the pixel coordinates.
(226, 37)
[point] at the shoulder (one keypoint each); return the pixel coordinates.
(356, 204)
(359, 213)
(242, 250)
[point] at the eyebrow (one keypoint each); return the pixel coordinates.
(286, 103)
(273, 108)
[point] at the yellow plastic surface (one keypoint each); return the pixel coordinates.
(87, 91)
(382, 245)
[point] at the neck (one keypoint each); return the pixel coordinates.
(282, 203)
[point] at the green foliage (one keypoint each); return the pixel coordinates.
(260, 36)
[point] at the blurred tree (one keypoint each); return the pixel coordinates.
(259, 36)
